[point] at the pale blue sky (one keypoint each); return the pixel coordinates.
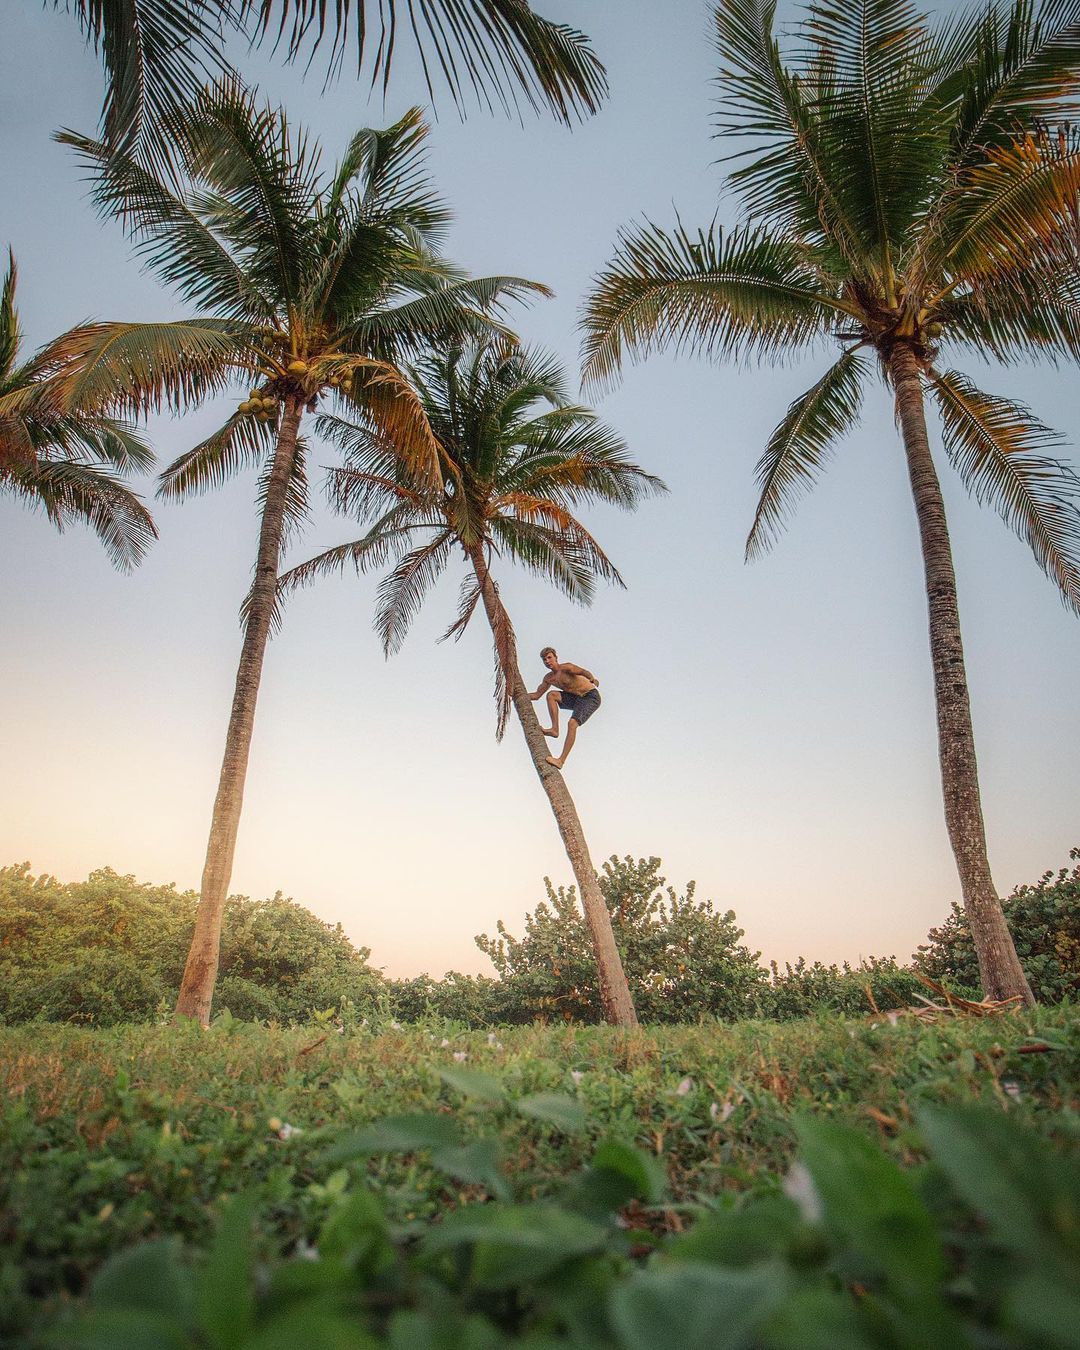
(767, 730)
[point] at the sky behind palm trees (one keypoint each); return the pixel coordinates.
(767, 730)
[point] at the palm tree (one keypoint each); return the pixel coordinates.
(319, 285)
(65, 457)
(157, 53)
(512, 477)
(905, 196)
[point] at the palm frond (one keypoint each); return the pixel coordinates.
(395, 414)
(240, 444)
(10, 337)
(402, 592)
(374, 550)
(70, 492)
(156, 53)
(172, 238)
(801, 444)
(495, 52)
(141, 367)
(997, 447)
(468, 598)
(741, 295)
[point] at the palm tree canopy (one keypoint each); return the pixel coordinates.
(518, 461)
(65, 456)
(157, 53)
(902, 183)
(317, 284)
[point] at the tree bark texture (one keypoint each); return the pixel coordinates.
(999, 967)
(614, 990)
(200, 972)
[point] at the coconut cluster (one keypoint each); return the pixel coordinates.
(260, 404)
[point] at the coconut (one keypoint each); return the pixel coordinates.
(934, 330)
(297, 368)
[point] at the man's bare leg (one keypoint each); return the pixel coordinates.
(571, 737)
(553, 705)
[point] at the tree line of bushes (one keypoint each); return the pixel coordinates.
(111, 949)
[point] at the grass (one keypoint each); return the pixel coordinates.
(109, 1137)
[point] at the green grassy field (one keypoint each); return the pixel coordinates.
(109, 1138)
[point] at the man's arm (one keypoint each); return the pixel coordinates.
(543, 685)
(578, 670)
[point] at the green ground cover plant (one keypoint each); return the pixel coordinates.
(379, 1183)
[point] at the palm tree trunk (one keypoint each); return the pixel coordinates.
(999, 967)
(614, 991)
(200, 972)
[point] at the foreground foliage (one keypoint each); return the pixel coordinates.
(594, 1188)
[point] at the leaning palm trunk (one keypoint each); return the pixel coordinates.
(200, 972)
(999, 967)
(614, 990)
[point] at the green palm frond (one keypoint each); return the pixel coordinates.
(157, 54)
(569, 455)
(1029, 309)
(468, 599)
(362, 494)
(139, 367)
(884, 139)
(745, 294)
(10, 337)
(372, 552)
(563, 554)
(240, 444)
(69, 492)
(496, 52)
(454, 311)
(268, 184)
(172, 238)
(800, 446)
(88, 437)
(997, 448)
(787, 179)
(1011, 68)
(401, 593)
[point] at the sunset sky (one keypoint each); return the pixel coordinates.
(766, 730)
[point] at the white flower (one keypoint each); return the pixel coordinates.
(1012, 1088)
(576, 1075)
(494, 1041)
(396, 1026)
(287, 1131)
(460, 1056)
(892, 1018)
(444, 1043)
(799, 1186)
(686, 1086)
(721, 1113)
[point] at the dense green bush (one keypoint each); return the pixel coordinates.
(1045, 923)
(801, 990)
(683, 958)
(109, 950)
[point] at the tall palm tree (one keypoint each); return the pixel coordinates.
(157, 53)
(905, 198)
(66, 457)
(318, 286)
(517, 461)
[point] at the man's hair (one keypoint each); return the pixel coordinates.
(548, 651)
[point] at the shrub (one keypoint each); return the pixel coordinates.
(110, 949)
(802, 990)
(1045, 923)
(682, 957)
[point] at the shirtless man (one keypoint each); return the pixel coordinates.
(572, 689)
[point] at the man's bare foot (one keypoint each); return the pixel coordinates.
(550, 731)
(557, 762)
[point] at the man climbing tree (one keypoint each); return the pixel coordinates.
(572, 689)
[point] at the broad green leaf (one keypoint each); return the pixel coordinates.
(225, 1293)
(514, 1244)
(554, 1108)
(480, 1085)
(312, 1328)
(736, 1238)
(818, 1319)
(476, 1163)
(694, 1307)
(875, 1211)
(149, 1277)
(1029, 1194)
(617, 1174)
(1047, 1308)
(119, 1329)
(355, 1232)
(397, 1134)
(445, 1331)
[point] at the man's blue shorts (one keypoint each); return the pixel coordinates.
(580, 706)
